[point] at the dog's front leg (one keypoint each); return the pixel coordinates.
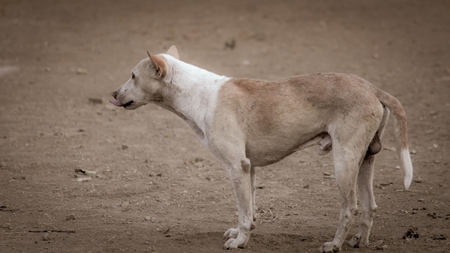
(240, 175)
(253, 181)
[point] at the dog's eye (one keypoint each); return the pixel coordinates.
(132, 76)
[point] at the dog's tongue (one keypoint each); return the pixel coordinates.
(115, 102)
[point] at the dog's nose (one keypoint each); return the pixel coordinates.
(114, 94)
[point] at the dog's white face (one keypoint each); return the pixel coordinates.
(143, 87)
(146, 82)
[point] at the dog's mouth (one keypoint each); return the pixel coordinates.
(128, 104)
(117, 103)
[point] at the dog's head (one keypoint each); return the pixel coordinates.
(145, 83)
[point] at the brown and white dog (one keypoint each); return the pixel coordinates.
(248, 123)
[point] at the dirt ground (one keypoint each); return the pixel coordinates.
(155, 187)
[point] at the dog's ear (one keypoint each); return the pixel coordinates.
(173, 52)
(159, 65)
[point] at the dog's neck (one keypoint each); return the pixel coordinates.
(190, 92)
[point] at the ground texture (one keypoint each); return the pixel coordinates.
(78, 175)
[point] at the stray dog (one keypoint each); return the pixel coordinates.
(248, 123)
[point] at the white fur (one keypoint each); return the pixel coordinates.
(407, 166)
(193, 92)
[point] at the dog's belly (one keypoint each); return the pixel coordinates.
(271, 149)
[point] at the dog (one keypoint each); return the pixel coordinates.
(249, 123)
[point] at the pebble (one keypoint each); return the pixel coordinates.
(418, 181)
(84, 179)
(70, 217)
(149, 218)
(81, 71)
(382, 247)
(45, 237)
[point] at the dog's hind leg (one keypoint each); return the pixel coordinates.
(350, 143)
(365, 186)
(346, 170)
(367, 203)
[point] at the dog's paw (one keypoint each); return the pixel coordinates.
(354, 242)
(329, 247)
(235, 239)
(233, 243)
(231, 233)
(357, 242)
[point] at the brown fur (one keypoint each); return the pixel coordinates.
(273, 112)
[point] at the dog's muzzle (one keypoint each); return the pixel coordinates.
(115, 102)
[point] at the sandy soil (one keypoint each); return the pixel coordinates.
(155, 188)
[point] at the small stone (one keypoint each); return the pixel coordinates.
(198, 159)
(421, 200)
(70, 217)
(45, 237)
(84, 179)
(413, 152)
(81, 71)
(439, 237)
(411, 233)
(382, 247)
(433, 215)
(435, 146)
(230, 44)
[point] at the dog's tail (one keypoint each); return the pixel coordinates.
(401, 133)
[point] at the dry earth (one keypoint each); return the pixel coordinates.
(155, 188)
